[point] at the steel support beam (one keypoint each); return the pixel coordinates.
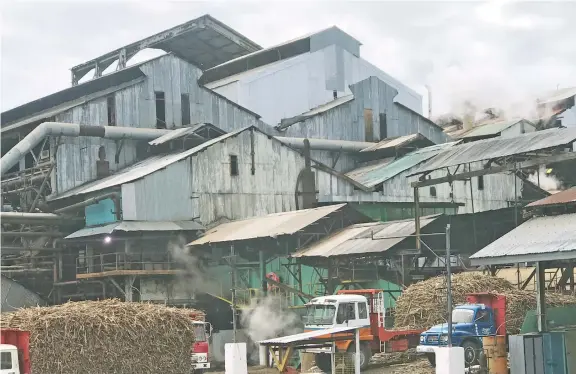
(497, 169)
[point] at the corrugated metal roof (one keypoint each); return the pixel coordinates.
(143, 168)
(499, 147)
(271, 225)
(539, 239)
(558, 95)
(129, 226)
(394, 142)
(357, 239)
(183, 132)
(373, 175)
(304, 336)
(287, 122)
(562, 197)
(490, 128)
(131, 73)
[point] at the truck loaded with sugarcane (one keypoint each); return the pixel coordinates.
(104, 336)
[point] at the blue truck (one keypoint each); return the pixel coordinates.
(482, 315)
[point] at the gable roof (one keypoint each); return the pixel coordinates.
(492, 128)
(73, 96)
(142, 168)
(69, 94)
(155, 163)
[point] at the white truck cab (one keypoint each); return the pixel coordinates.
(9, 363)
(337, 310)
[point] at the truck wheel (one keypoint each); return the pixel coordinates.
(365, 354)
(324, 362)
(471, 352)
(432, 359)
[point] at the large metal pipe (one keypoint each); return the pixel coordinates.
(326, 144)
(71, 129)
(39, 218)
(87, 202)
(32, 234)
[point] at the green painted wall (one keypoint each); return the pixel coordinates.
(249, 278)
(397, 211)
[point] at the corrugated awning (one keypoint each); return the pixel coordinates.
(364, 238)
(133, 226)
(269, 226)
(562, 197)
(546, 238)
(306, 336)
(498, 147)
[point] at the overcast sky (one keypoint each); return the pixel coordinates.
(494, 53)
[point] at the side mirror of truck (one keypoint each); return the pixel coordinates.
(208, 329)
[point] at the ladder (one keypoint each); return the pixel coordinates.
(380, 309)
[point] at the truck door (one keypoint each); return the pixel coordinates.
(484, 322)
(347, 314)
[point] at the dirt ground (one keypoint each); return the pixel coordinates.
(399, 363)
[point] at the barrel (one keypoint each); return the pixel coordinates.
(496, 355)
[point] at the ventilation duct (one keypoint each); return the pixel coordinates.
(74, 130)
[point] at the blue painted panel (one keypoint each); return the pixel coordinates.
(554, 353)
(100, 213)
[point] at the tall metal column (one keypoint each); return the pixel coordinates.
(541, 296)
(448, 285)
(263, 273)
(233, 291)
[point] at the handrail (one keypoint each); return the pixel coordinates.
(124, 261)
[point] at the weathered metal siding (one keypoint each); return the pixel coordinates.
(161, 196)
(76, 157)
(270, 190)
(201, 186)
(517, 129)
(293, 86)
(136, 107)
(346, 122)
(498, 192)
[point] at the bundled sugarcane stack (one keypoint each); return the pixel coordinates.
(109, 336)
(423, 304)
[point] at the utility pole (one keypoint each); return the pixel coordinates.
(233, 290)
(449, 285)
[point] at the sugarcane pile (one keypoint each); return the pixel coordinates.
(109, 336)
(423, 304)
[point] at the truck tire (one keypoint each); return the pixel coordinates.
(471, 352)
(324, 362)
(431, 359)
(365, 354)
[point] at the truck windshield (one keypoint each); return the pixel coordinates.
(462, 316)
(320, 314)
(199, 332)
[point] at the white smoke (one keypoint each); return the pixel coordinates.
(194, 278)
(266, 319)
(545, 181)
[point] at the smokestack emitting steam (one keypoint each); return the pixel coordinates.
(429, 101)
